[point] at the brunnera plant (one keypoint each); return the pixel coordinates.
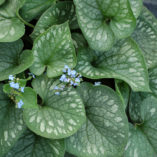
(78, 78)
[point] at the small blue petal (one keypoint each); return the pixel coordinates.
(56, 88)
(75, 84)
(16, 86)
(97, 83)
(20, 104)
(57, 93)
(77, 80)
(11, 77)
(22, 89)
(71, 82)
(69, 72)
(73, 73)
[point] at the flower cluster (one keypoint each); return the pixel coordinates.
(16, 86)
(69, 78)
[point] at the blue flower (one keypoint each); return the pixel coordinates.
(69, 72)
(77, 80)
(20, 104)
(11, 77)
(66, 67)
(71, 82)
(63, 78)
(97, 83)
(73, 73)
(14, 85)
(57, 93)
(22, 89)
(56, 88)
(75, 84)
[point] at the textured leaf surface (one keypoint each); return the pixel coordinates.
(145, 35)
(11, 122)
(145, 132)
(12, 61)
(53, 50)
(34, 8)
(57, 14)
(123, 91)
(136, 6)
(153, 80)
(105, 131)
(100, 30)
(11, 28)
(124, 61)
(78, 40)
(59, 116)
(138, 145)
(31, 145)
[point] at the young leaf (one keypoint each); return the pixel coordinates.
(34, 8)
(59, 116)
(124, 61)
(29, 98)
(57, 14)
(142, 140)
(102, 21)
(153, 80)
(11, 28)
(11, 121)
(145, 35)
(53, 50)
(12, 61)
(31, 145)
(105, 131)
(123, 91)
(79, 40)
(136, 7)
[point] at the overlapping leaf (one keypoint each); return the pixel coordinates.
(153, 80)
(58, 116)
(102, 21)
(53, 50)
(57, 14)
(145, 35)
(11, 28)
(12, 61)
(11, 122)
(124, 61)
(123, 91)
(105, 131)
(31, 145)
(34, 8)
(143, 136)
(136, 7)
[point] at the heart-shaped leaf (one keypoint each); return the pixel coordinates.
(31, 145)
(153, 80)
(124, 61)
(60, 115)
(12, 61)
(57, 14)
(142, 139)
(11, 28)
(53, 50)
(102, 21)
(105, 131)
(145, 35)
(34, 8)
(136, 7)
(11, 122)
